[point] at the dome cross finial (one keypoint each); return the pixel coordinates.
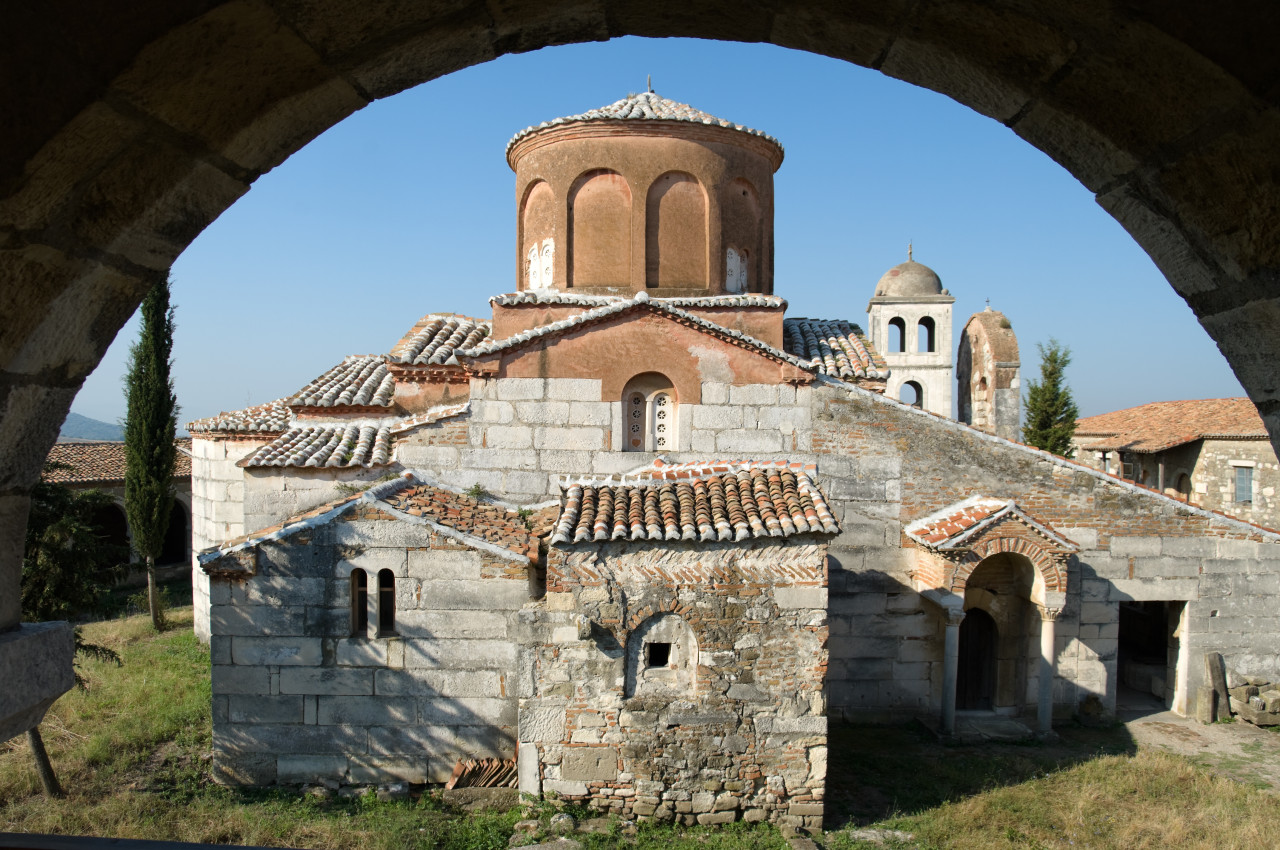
(909, 252)
(648, 81)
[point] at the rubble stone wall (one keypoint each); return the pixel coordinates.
(742, 738)
(299, 698)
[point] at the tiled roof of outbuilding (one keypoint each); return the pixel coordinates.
(496, 524)
(834, 347)
(646, 106)
(740, 502)
(270, 418)
(358, 380)
(102, 462)
(356, 444)
(1164, 424)
(952, 526)
(433, 340)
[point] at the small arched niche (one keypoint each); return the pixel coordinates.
(537, 235)
(650, 413)
(912, 393)
(662, 658)
(600, 230)
(676, 232)
(926, 342)
(741, 226)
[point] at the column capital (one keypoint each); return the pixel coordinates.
(1048, 614)
(954, 616)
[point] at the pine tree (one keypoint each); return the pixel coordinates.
(150, 426)
(1051, 412)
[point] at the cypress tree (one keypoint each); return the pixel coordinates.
(150, 426)
(1051, 412)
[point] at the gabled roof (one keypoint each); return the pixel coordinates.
(556, 296)
(718, 502)
(499, 530)
(435, 337)
(955, 526)
(101, 462)
(834, 347)
(270, 418)
(646, 106)
(641, 302)
(360, 380)
(1164, 424)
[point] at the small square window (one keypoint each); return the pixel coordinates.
(1244, 484)
(657, 654)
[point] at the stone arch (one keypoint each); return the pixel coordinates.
(1050, 568)
(897, 335)
(537, 233)
(177, 538)
(915, 389)
(662, 657)
(162, 119)
(675, 240)
(600, 230)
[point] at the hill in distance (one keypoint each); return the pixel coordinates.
(78, 427)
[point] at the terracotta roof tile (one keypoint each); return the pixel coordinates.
(646, 106)
(433, 340)
(1164, 424)
(358, 380)
(102, 462)
(623, 305)
(834, 347)
(270, 418)
(555, 296)
(950, 527)
(355, 444)
(502, 526)
(742, 502)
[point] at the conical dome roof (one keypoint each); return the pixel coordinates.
(646, 106)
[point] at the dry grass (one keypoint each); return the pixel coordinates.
(131, 752)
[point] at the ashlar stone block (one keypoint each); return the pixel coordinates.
(590, 764)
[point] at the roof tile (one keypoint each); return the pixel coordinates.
(351, 445)
(103, 462)
(1164, 424)
(433, 340)
(358, 380)
(835, 347)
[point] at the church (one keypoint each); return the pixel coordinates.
(646, 535)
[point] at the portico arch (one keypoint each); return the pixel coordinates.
(127, 146)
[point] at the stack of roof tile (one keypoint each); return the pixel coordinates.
(834, 347)
(742, 502)
(357, 380)
(434, 339)
(351, 445)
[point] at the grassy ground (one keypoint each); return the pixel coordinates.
(132, 753)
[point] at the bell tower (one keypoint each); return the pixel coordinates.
(909, 319)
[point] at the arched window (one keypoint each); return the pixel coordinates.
(536, 229)
(1184, 487)
(736, 270)
(359, 603)
(649, 413)
(386, 603)
(897, 335)
(912, 393)
(925, 341)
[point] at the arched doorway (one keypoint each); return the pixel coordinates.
(998, 636)
(976, 676)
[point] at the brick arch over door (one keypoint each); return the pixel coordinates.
(119, 151)
(1050, 571)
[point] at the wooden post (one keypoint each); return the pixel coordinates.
(47, 777)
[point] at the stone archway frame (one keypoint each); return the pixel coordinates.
(956, 539)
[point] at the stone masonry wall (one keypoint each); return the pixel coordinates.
(217, 509)
(299, 698)
(742, 737)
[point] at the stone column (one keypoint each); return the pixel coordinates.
(1048, 669)
(950, 669)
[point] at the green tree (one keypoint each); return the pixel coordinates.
(68, 563)
(1051, 412)
(150, 425)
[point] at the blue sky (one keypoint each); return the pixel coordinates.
(408, 207)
